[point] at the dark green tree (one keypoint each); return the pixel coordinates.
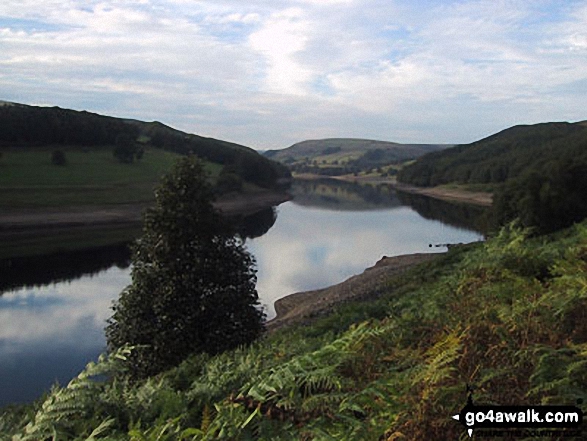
(127, 149)
(193, 282)
(58, 158)
(547, 198)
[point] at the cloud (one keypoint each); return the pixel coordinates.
(268, 74)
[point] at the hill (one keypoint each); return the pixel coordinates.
(339, 156)
(500, 157)
(27, 128)
(538, 173)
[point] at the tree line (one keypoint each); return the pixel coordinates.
(498, 158)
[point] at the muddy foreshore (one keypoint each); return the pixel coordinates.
(303, 306)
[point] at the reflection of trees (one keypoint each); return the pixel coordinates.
(256, 224)
(341, 195)
(472, 217)
(59, 267)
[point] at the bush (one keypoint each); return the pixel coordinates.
(193, 283)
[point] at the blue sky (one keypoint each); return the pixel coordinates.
(269, 73)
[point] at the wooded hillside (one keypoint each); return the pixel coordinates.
(29, 126)
(500, 157)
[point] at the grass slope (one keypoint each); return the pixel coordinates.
(507, 316)
(30, 129)
(92, 176)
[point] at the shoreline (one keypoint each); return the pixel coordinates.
(13, 220)
(34, 232)
(483, 199)
(302, 306)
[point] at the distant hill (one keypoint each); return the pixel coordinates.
(23, 126)
(337, 156)
(500, 157)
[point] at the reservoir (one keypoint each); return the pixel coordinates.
(53, 314)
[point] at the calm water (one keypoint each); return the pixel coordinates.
(325, 235)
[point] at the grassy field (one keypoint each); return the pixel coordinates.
(92, 176)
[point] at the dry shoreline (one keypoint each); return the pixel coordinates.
(448, 194)
(55, 218)
(302, 306)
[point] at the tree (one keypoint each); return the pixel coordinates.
(546, 198)
(58, 158)
(127, 149)
(193, 283)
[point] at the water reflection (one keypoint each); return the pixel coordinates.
(332, 194)
(472, 217)
(60, 267)
(71, 265)
(310, 248)
(49, 333)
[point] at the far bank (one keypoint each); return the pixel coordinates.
(28, 232)
(446, 193)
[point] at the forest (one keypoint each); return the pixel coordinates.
(500, 157)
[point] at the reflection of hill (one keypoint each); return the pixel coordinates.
(331, 194)
(256, 224)
(60, 267)
(472, 217)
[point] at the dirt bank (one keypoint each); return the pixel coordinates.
(35, 219)
(301, 306)
(449, 194)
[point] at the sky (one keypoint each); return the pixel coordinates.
(270, 73)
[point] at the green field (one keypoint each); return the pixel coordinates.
(92, 176)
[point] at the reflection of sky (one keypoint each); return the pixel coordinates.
(310, 248)
(50, 333)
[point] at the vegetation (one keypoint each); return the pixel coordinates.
(507, 317)
(547, 198)
(500, 157)
(58, 158)
(24, 128)
(336, 157)
(538, 173)
(92, 177)
(193, 283)
(127, 149)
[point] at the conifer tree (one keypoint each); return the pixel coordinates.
(193, 282)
